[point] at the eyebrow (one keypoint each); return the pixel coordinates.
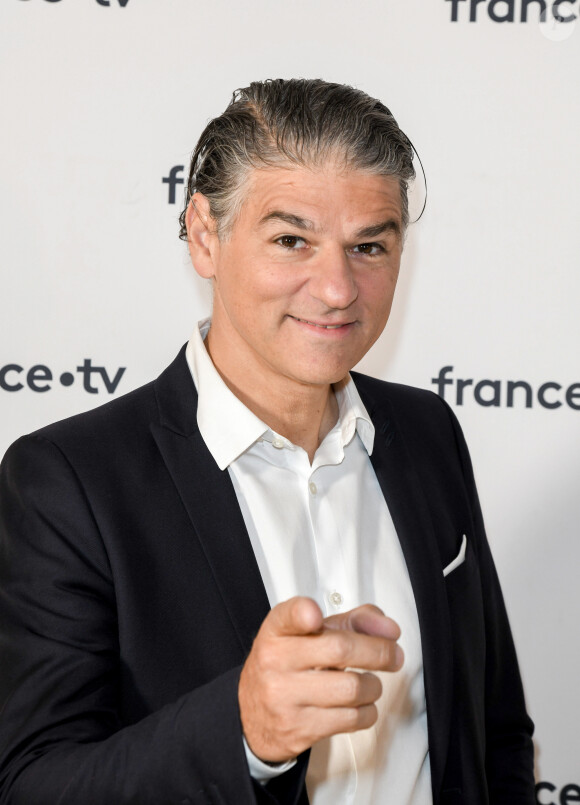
(287, 218)
(372, 231)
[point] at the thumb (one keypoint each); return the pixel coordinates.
(296, 616)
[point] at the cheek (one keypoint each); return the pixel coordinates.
(268, 289)
(379, 293)
(256, 302)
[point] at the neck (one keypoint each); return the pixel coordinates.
(302, 413)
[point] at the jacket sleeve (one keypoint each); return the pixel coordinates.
(61, 736)
(509, 754)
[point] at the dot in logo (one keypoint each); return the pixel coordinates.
(67, 379)
(554, 29)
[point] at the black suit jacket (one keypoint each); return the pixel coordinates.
(130, 596)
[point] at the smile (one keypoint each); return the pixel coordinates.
(322, 326)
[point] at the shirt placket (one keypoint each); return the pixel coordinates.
(336, 592)
(335, 579)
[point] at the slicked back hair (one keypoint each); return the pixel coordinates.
(294, 122)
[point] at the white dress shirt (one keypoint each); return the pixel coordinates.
(323, 530)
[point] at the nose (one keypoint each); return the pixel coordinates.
(333, 281)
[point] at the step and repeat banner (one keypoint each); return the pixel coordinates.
(102, 103)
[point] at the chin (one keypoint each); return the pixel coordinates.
(323, 378)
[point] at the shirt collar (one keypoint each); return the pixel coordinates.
(229, 428)
(352, 415)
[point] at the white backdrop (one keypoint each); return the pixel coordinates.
(102, 98)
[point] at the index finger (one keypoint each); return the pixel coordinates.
(366, 619)
(345, 648)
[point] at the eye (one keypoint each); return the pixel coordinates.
(291, 242)
(369, 248)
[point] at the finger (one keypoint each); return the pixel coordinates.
(323, 722)
(366, 619)
(342, 648)
(292, 736)
(297, 616)
(331, 688)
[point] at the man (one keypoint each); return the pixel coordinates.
(260, 579)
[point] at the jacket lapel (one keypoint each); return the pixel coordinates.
(210, 500)
(408, 507)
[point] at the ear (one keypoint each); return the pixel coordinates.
(201, 237)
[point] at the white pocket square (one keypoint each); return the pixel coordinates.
(459, 559)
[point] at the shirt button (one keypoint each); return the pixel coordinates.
(277, 442)
(335, 599)
(313, 488)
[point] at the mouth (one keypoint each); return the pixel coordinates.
(322, 326)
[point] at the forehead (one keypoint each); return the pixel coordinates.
(327, 196)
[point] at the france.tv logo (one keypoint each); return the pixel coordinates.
(40, 378)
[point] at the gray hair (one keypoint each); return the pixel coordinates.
(302, 122)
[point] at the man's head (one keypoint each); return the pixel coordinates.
(297, 207)
(295, 122)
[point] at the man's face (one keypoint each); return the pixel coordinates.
(304, 283)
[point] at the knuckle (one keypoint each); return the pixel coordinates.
(266, 654)
(339, 649)
(387, 654)
(352, 686)
(270, 690)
